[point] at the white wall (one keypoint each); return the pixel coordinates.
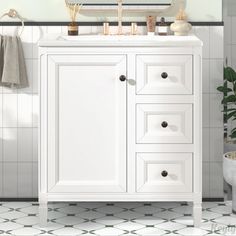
(54, 10)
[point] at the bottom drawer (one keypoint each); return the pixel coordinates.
(164, 172)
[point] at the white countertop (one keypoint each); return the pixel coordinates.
(117, 41)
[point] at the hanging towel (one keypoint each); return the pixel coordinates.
(12, 63)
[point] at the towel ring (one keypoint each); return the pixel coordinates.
(14, 14)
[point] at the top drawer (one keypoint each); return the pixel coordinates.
(164, 74)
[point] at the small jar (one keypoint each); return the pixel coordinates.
(73, 29)
(162, 27)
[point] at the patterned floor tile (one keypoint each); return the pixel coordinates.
(222, 209)
(185, 220)
(89, 226)
(16, 205)
(69, 220)
(26, 231)
(30, 210)
(130, 226)
(225, 220)
(148, 209)
(108, 231)
(110, 220)
(192, 231)
(67, 231)
(129, 215)
(183, 210)
(168, 215)
(149, 220)
(9, 226)
(109, 209)
(172, 226)
(4, 209)
(166, 205)
(210, 215)
(152, 231)
(12, 215)
(71, 209)
(90, 215)
(29, 220)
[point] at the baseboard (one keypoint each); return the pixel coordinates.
(213, 199)
(36, 199)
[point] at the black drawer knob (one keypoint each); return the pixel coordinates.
(164, 173)
(164, 75)
(122, 78)
(164, 124)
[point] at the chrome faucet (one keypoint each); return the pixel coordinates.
(120, 16)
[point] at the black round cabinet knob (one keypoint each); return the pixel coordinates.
(164, 75)
(164, 124)
(164, 173)
(122, 78)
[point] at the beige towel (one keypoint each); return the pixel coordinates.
(12, 63)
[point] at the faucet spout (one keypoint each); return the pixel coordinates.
(120, 16)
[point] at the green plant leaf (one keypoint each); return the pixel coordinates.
(233, 135)
(231, 98)
(230, 115)
(224, 89)
(229, 74)
(228, 110)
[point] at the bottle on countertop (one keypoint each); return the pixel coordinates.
(162, 27)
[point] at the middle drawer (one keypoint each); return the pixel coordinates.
(164, 123)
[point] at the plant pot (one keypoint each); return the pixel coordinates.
(229, 173)
(180, 27)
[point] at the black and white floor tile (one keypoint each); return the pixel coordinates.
(108, 219)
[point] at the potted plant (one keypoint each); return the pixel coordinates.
(229, 102)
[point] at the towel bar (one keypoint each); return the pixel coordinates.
(14, 14)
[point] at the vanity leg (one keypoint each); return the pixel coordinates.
(197, 214)
(43, 214)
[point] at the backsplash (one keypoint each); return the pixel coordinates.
(19, 115)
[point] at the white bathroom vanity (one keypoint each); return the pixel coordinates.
(121, 120)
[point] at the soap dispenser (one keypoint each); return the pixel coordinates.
(162, 27)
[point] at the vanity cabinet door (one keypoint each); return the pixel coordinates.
(86, 123)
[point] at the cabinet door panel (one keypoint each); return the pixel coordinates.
(87, 123)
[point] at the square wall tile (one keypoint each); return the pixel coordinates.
(25, 106)
(9, 110)
(1, 109)
(1, 145)
(10, 144)
(35, 110)
(228, 55)
(217, 42)
(233, 57)
(25, 178)
(206, 110)
(206, 75)
(35, 76)
(216, 115)
(10, 183)
(35, 180)
(27, 39)
(54, 30)
(233, 25)
(216, 144)
(227, 30)
(216, 74)
(206, 179)
(35, 145)
(25, 147)
(216, 180)
(206, 144)
(1, 179)
(203, 32)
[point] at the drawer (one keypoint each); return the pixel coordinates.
(164, 172)
(164, 123)
(164, 74)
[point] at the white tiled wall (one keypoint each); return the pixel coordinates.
(19, 116)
